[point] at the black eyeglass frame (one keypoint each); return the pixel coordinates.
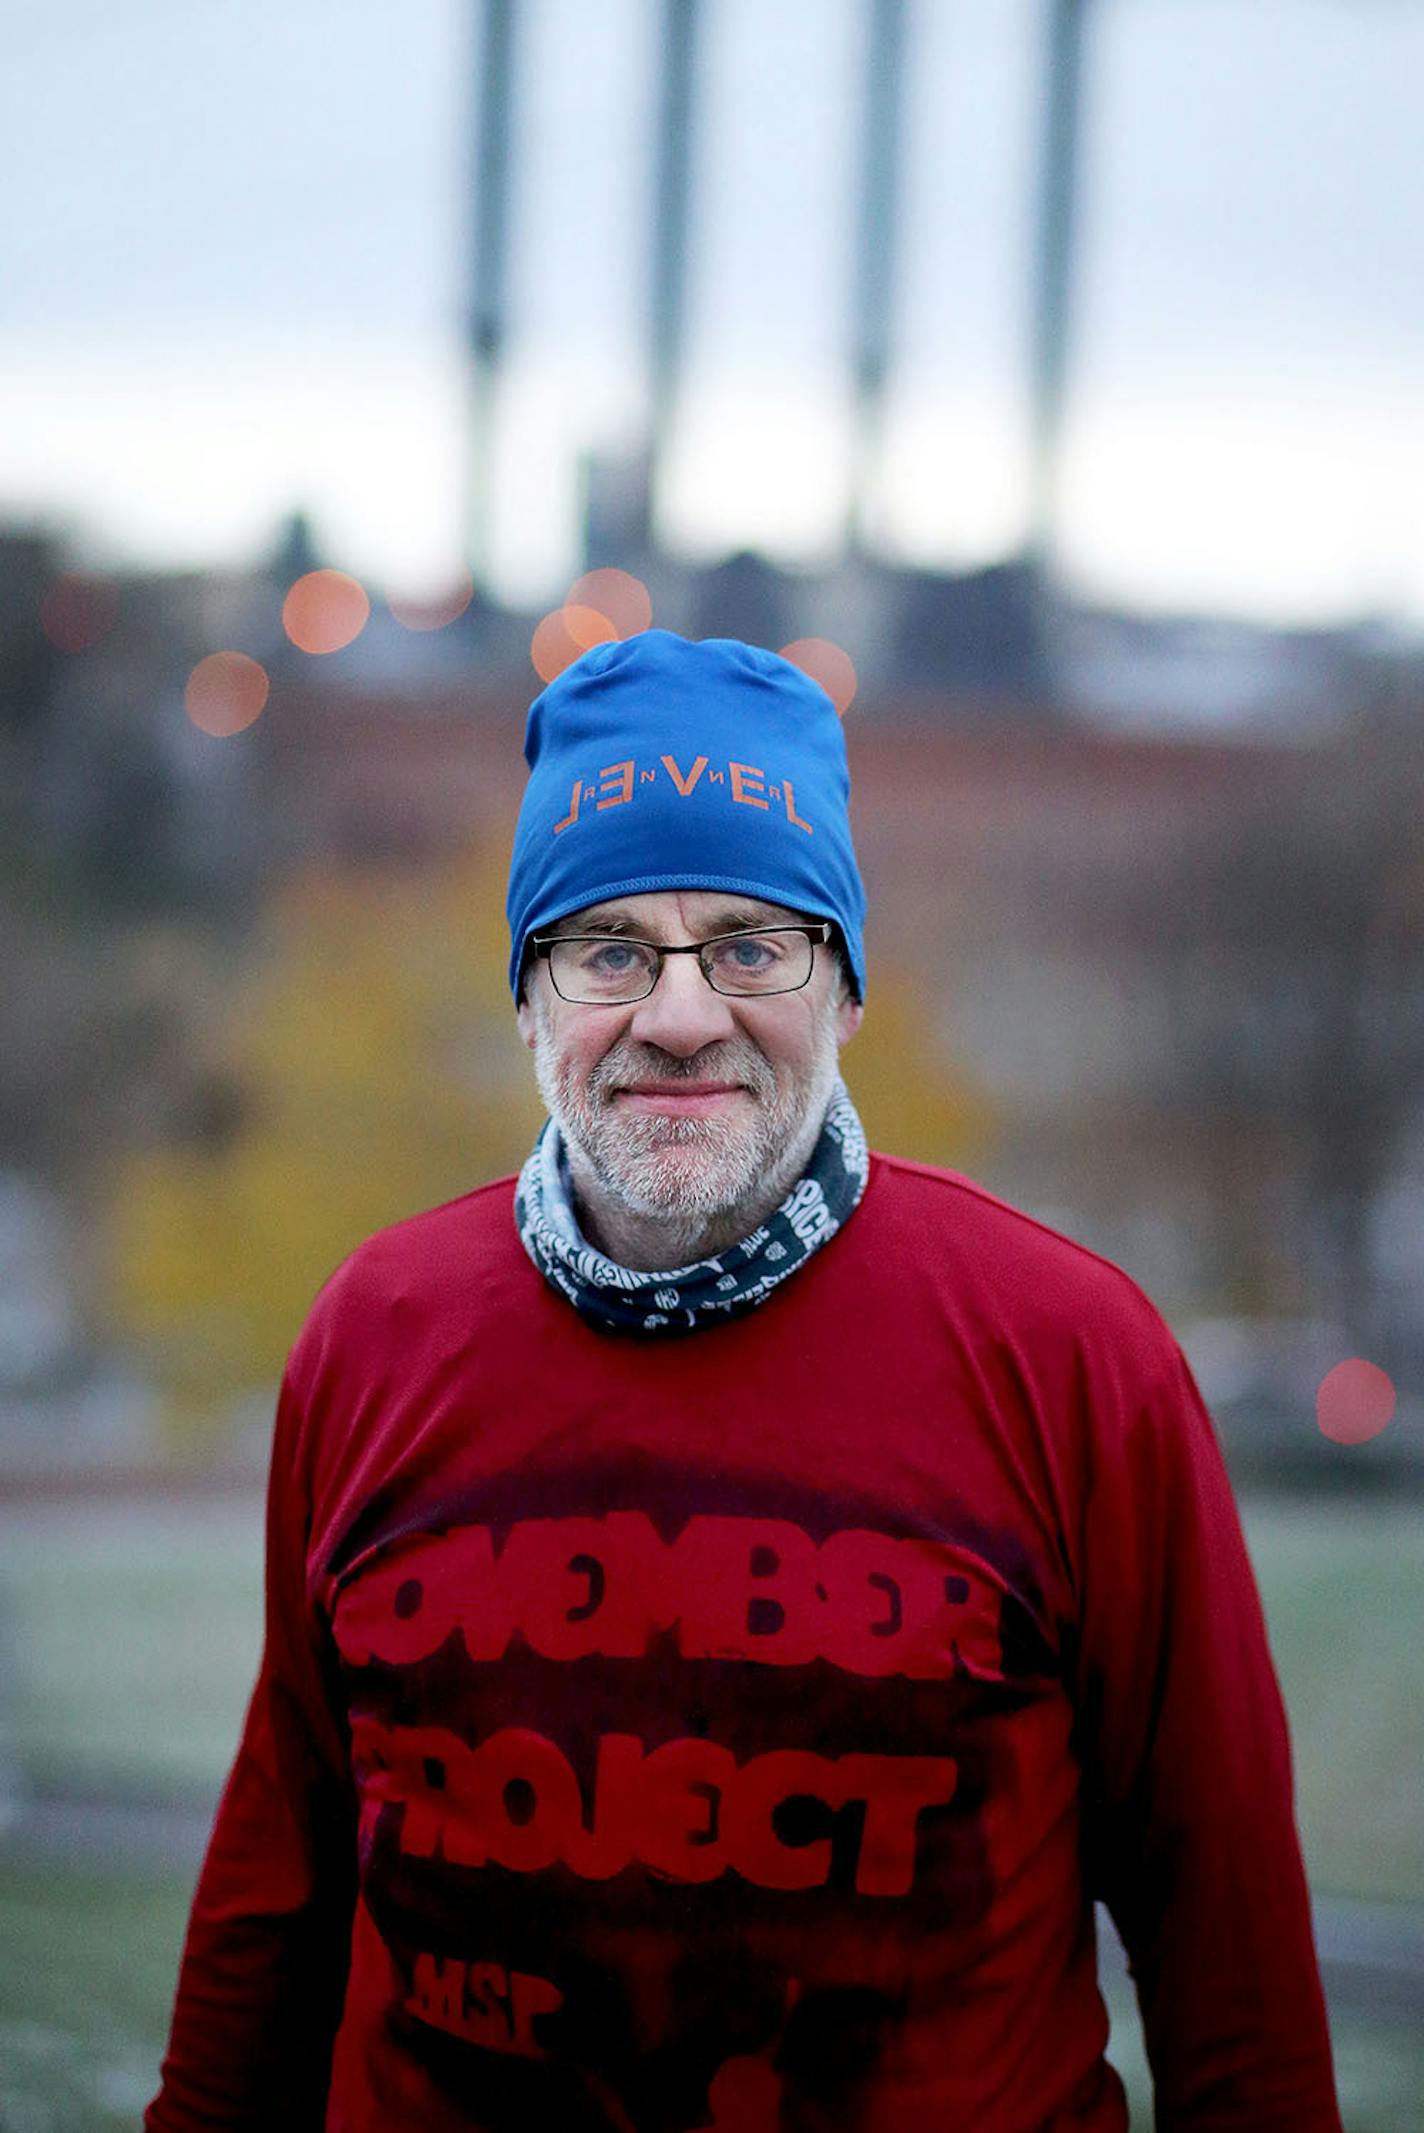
(819, 932)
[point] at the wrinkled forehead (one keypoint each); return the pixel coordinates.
(670, 914)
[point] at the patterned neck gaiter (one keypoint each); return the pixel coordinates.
(620, 1299)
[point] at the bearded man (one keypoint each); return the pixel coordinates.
(734, 1601)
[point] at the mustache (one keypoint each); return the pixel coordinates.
(646, 1062)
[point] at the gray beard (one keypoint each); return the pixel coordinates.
(671, 1190)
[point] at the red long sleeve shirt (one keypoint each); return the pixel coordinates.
(734, 1731)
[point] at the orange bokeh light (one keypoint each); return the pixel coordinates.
(1354, 1401)
(826, 663)
(434, 614)
(324, 611)
(76, 612)
(564, 636)
(225, 692)
(616, 594)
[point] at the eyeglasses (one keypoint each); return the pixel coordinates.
(610, 970)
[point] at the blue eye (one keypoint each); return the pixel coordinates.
(748, 955)
(613, 959)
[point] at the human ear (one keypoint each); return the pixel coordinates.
(849, 1016)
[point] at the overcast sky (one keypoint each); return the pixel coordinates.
(232, 261)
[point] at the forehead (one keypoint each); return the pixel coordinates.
(664, 914)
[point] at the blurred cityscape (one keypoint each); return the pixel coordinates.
(1147, 945)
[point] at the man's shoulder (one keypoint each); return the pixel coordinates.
(927, 1193)
(451, 1249)
(1017, 1265)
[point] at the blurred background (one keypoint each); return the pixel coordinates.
(1046, 376)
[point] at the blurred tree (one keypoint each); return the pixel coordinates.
(28, 565)
(365, 1065)
(1292, 942)
(912, 1100)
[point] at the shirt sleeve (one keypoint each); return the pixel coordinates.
(264, 1967)
(1189, 1809)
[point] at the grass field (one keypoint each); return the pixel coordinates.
(127, 1644)
(128, 1640)
(87, 1962)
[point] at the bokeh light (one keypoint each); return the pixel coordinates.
(826, 663)
(1354, 1401)
(225, 692)
(77, 611)
(325, 611)
(435, 613)
(616, 594)
(564, 635)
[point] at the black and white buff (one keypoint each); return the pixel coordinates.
(621, 1299)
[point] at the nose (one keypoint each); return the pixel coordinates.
(682, 1013)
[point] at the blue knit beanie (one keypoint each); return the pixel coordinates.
(656, 763)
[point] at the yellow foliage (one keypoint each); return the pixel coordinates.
(911, 1101)
(373, 1037)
